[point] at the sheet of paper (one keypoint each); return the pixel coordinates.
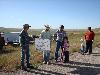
(42, 44)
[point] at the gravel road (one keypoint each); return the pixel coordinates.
(78, 65)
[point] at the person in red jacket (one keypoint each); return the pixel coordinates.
(89, 37)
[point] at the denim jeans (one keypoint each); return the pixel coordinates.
(46, 55)
(58, 45)
(25, 56)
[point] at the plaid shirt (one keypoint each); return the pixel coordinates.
(60, 35)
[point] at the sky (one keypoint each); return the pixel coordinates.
(73, 14)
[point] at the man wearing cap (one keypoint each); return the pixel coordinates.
(46, 34)
(24, 43)
(60, 35)
(89, 37)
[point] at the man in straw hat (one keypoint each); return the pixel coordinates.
(46, 34)
(24, 42)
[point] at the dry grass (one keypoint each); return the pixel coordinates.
(10, 58)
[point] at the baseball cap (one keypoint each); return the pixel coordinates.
(89, 28)
(61, 26)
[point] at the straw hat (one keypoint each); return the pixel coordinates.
(47, 26)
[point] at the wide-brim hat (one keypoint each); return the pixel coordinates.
(47, 26)
(26, 25)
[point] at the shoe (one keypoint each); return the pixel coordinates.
(82, 53)
(24, 68)
(48, 63)
(90, 52)
(66, 62)
(30, 67)
(56, 61)
(61, 59)
(44, 62)
(87, 53)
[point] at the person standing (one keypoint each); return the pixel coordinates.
(65, 51)
(24, 43)
(2, 42)
(46, 34)
(89, 37)
(60, 35)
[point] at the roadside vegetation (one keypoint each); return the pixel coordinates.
(10, 56)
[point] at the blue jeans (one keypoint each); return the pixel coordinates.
(25, 55)
(46, 55)
(58, 45)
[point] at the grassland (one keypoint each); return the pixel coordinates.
(10, 57)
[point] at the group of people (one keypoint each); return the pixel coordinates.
(61, 42)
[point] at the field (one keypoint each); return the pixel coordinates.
(10, 57)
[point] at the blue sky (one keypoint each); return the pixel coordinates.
(73, 14)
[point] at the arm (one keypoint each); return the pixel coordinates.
(93, 36)
(85, 36)
(51, 36)
(55, 35)
(3, 41)
(41, 35)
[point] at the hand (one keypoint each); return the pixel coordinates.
(92, 40)
(68, 46)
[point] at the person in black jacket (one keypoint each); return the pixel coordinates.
(2, 42)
